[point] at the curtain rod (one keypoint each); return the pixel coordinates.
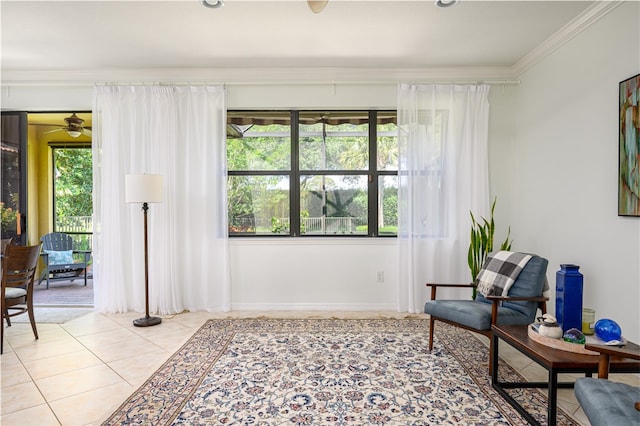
(9, 84)
(319, 82)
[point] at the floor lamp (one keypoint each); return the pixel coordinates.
(144, 189)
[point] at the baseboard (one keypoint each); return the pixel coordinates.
(314, 307)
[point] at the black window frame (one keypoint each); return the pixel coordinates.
(294, 173)
(82, 240)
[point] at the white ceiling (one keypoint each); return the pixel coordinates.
(168, 40)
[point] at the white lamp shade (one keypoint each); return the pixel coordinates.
(143, 188)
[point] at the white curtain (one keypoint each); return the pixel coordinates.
(179, 133)
(443, 174)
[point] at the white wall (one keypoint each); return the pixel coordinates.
(559, 172)
(314, 273)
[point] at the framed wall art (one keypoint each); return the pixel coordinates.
(629, 148)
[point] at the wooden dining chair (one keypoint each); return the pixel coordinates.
(18, 272)
(5, 243)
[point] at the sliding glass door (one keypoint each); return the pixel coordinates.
(13, 176)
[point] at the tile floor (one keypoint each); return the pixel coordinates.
(79, 372)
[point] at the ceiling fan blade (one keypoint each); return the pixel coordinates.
(317, 6)
(53, 131)
(236, 131)
(87, 132)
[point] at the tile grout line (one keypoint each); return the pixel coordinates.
(33, 380)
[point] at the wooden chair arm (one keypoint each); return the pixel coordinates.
(449, 285)
(434, 287)
(629, 350)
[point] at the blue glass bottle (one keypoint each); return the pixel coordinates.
(569, 282)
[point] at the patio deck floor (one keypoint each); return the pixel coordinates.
(63, 293)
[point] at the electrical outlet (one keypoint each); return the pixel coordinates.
(380, 276)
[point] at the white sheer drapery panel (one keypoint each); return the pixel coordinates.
(177, 132)
(443, 175)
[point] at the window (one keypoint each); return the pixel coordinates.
(310, 173)
(72, 193)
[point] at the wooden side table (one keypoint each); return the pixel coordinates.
(629, 350)
(555, 361)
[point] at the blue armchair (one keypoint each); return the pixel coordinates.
(524, 298)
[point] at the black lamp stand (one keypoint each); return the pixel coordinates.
(147, 320)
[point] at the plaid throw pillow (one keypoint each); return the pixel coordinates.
(499, 272)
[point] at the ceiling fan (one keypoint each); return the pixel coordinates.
(74, 127)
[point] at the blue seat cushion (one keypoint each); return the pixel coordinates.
(14, 293)
(473, 314)
(608, 403)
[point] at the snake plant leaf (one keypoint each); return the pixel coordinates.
(481, 239)
(506, 245)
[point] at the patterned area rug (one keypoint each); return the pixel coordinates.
(327, 372)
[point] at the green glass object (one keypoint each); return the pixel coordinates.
(574, 335)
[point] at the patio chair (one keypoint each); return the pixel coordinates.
(19, 265)
(59, 263)
(519, 306)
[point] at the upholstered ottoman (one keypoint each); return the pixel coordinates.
(608, 403)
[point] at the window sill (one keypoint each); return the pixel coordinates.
(314, 241)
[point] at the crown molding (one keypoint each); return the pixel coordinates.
(256, 76)
(592, 14)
